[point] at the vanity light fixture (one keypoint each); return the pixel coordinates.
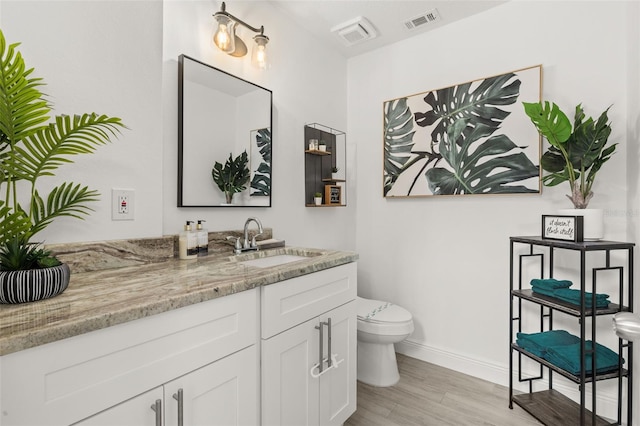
(226, 39)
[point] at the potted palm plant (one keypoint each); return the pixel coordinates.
(575, 155)
(33, 146)
(233, 176)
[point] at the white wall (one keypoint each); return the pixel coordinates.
(304, 91)
(120, 58)
(446, 259)
(103, 57)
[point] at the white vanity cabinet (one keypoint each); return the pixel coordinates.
(306, 320)
(115, 375)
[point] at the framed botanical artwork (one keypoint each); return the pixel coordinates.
(260, 159)
(471, 138)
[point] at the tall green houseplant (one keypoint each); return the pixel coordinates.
(32, 145)
(575, 154)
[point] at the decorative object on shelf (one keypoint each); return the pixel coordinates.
(317, 198)
(333, 194)
(430, 150)
(32, 147)
(575, 155)
(225, 38)
(322, 146)
(313, 145)
(233, 176)
(261, 163)
(334, 171)
(567, 228)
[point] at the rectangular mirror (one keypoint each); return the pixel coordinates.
(221, 115)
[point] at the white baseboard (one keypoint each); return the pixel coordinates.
(607, 405)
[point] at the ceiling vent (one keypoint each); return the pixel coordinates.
(423, 19)
(355, 31)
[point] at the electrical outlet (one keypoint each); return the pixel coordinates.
(122, 204)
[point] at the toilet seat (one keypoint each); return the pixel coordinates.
(384, 318)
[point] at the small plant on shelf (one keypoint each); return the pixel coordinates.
(317, 198)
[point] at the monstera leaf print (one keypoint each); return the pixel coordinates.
(398, 140)
(480, 105)
(453, 145)
(480, 163)
(261, 181)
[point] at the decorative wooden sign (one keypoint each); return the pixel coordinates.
(332, 194)
(566, 228)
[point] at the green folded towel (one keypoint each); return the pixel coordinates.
(537, 343)
(567, 357)
(550, 283)
(573, 297)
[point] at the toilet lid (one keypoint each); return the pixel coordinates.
(377, 311)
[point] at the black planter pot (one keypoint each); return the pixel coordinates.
(34, 284)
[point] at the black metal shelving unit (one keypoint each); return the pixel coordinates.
(550, 406)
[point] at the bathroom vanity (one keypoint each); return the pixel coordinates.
(216, 341)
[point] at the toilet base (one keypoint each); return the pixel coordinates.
(377, 365)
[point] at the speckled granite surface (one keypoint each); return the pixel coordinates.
(101, 298)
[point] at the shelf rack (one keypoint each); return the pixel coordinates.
(318, 164)
(550, 406)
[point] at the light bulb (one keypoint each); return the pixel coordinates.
(224, 37)
(259, 51)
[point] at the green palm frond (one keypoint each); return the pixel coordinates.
(68, 199)
(48, 149)
(22, 108)
(31, 147)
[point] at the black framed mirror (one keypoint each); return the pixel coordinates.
(221, 116)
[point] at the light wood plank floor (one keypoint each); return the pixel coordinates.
(431, 395)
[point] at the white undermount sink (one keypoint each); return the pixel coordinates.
(265, 262)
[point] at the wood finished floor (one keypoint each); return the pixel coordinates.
(431, 395)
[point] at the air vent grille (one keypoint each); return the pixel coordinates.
(423, 19)
(355, 31)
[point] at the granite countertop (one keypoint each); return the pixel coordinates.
(100, 299)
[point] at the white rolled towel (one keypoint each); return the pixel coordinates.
(627, 326)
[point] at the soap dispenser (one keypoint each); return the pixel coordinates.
(203, 239)
(188, 242)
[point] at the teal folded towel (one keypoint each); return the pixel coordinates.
(550, 283)
(567, 357)
(573, 297)
(537, 343)
(544, 291)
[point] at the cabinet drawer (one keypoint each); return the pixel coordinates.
(66, 381)
(290, 302)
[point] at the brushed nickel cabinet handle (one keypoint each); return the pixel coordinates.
(178, 396)
(157, 407)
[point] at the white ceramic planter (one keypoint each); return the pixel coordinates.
(317, 200)
(593, 222)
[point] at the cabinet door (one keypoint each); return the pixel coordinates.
(223, 393)
(289, 392)
(134, 412)
(338, 384)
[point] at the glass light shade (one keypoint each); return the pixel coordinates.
(259, 51)
(225, 36)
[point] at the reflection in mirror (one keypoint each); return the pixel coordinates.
(221, 115)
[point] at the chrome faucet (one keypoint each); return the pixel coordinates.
(251, 245)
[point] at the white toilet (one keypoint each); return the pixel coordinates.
(380, 325)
